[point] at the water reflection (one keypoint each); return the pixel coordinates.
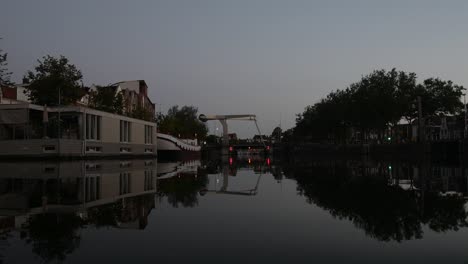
(180, 182)
(229, 168)
(48, 205)
(388, 200)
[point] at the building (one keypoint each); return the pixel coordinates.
(232, 137)
(135, 94)
(28, 130)
(260, 138)
(13, 94)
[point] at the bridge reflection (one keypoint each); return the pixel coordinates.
(47, 203)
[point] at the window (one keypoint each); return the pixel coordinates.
(148, 134)
(149, 150)
(125, 164)
(93, 149)
(49, 169)
(125, 131)
(149, 180)
(92, 188)
(93, 127)
(125, 150)
(93, 166)
(48, 148)
(124, 182)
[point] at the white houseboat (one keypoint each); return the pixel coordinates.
(170, 147)
(28, 130)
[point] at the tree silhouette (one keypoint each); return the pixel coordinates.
(53, 76)
(374, 104)
(4, 73)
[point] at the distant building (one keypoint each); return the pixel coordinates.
(444, 128)
(135, 94)
(260, 138)
(13, 94)
(232, 136)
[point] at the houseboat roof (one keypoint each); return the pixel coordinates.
(72, 108)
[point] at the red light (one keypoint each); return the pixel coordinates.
(230, 149)
(250, 161)
(268, 161)
(230, 161)
(268, 147)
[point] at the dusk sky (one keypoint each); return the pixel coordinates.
(267, 57)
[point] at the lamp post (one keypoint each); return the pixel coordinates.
(465, 134)
(420, 121)
(59, 119)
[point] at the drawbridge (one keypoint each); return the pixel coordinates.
(223, 120)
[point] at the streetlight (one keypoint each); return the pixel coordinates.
(59, 118)
(466, 117)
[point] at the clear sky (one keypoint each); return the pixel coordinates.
(265, 57)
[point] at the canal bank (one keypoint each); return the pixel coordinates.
(441, 150)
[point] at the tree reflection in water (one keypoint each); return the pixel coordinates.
(384, 211)
(183, 189)
(53, 236)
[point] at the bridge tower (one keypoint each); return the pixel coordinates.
(223, 120)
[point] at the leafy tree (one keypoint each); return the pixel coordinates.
(183, 190)
(4, 73)
(51, 76)
(276, 134)
(142, 113)
(182, 121)
(440, 97)
(54, 236)
(374, 105)
(106, 99)
(212, 139)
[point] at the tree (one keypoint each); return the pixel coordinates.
(51, 77)
(142, 113)
(106, 99)
(4, 73)
(182, 121)
(374, 105)
(276, 134)
(440, 97)
(54, 236)
(212, 139)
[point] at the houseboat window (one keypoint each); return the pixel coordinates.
(48, 148)
(93, 149)
(125, 131)
(93, 127)
(92, 188)
(125, 150)
(149, 180)
(148, 150)
(124, 182)
(148, 134)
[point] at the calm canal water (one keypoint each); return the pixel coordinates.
(245, 210)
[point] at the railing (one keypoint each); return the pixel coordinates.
(179, 143)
